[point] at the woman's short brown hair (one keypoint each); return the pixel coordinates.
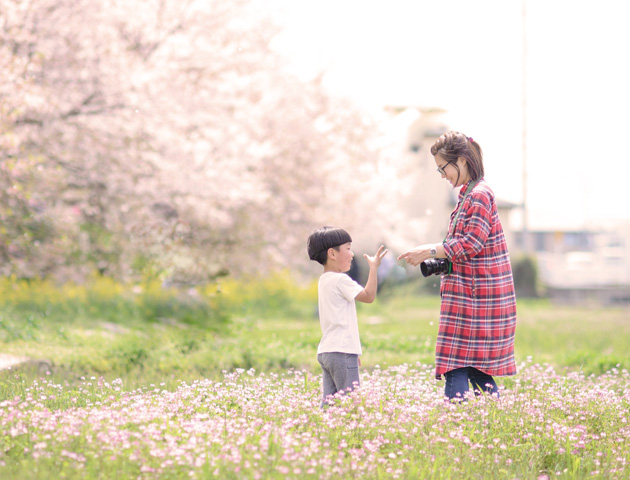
(453, 145)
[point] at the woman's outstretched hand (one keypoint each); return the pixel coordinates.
(416, 256)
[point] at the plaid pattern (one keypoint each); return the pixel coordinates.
(478, 311)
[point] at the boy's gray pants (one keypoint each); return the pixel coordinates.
(341, 372)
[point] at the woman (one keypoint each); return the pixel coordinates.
(478, 311)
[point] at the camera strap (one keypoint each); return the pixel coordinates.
(469, 189)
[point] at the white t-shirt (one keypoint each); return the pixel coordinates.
(338, 313)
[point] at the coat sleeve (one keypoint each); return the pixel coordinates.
(472, 229)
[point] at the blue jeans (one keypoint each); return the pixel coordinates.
(457, 383)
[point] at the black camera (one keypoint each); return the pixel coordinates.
(436, 266)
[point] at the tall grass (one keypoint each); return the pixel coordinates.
(146, 332)
(151, 333)
(146, 381)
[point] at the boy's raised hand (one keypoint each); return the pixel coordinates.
(378, 256)
(369, 292)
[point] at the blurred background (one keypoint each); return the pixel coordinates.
(192, 140)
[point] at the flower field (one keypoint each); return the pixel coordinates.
(145, 382)
(258, 426)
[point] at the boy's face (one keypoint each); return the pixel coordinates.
(340, 258)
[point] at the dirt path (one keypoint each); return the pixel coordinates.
(7, 361)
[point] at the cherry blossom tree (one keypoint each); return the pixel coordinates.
(164, 136)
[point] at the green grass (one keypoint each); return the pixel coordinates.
(212, 382)
(171, 336)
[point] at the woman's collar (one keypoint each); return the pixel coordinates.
(464, 187)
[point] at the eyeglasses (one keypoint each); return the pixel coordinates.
(441, 170)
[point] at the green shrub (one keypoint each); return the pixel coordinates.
(525, 275)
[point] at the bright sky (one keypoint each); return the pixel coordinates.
(467, 57)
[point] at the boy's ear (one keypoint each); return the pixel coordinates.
(331, 252)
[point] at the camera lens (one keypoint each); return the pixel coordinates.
(435, 266)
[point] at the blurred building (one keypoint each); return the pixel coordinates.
(584, 266)
(430, 199)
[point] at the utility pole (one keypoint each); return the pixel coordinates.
(526, 236)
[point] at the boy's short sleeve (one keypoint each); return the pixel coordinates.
(348, 287)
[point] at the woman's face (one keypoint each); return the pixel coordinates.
(450, 171)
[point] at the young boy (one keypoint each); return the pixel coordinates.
(339, 349)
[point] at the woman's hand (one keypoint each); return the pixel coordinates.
(416, 256)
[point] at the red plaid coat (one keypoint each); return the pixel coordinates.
(478, 310)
